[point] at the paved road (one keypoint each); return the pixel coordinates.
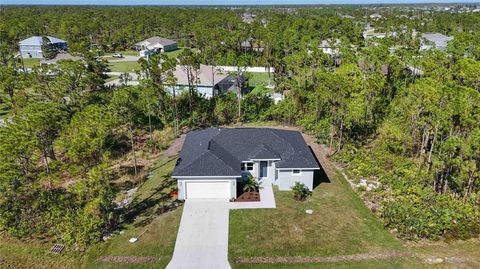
(202, 239)
(126, 58)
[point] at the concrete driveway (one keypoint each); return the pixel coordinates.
(202, 239)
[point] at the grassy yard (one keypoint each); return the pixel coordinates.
(123, 66)
(158, 241)
(31, 62)
(175, 53)
(111, 78)
(340, 225)
(256, 79)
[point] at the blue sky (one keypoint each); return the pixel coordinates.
(219, 2)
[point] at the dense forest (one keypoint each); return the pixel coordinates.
(417, 135)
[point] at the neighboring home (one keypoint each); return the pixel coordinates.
(375, 16)
(347, 16)
(209, 80)
(329, 47)
(32, 46)
(276, 97)
(154, 45)
(370, 33)
(248, 17)
(415, 70)
(435, 40)
(251, 44)
(214, 161)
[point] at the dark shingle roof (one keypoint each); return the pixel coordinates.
(264, 152)
(219, 152)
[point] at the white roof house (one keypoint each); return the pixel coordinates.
(38, 40)
(434, 40)
(157, 43)
(32, 46)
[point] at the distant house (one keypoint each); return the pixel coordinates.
(248, 17)
(252, 45)
(435, 40)
(154, 45)
(210, 81)
(370, 33)
(347, 16)
(32, 46)
(375, 16)
(329, 47)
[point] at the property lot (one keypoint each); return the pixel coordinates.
(340, 226)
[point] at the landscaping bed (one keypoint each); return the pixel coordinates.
(250, 196)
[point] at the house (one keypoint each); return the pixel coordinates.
(32, 46)
(154, 45)
(209, 80)
(214, 161)
(248, 17)
(252, 45)
(435, 40)
(346, 16)
(329, 47)
(375, 16)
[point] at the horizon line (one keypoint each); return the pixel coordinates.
(234, 5)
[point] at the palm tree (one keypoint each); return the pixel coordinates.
(251, 185)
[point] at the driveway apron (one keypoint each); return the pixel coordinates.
(202, 239)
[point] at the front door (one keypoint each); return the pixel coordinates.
(263, 169)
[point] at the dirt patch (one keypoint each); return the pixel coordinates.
(175, 147)
(250, 196)
(297, 260)
(128, 259)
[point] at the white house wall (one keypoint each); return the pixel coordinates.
(286, 179)
(271, 171)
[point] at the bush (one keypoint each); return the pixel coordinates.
(433, 216)
(300, 191)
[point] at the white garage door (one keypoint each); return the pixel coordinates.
(210, 189)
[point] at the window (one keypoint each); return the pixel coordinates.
(247, 166)
(296, 172)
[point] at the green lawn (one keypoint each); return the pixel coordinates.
(124, 66)
(340, 225)
(370, 264)
(256, 79)
(175, 53)
(31, 62)
(111, 78)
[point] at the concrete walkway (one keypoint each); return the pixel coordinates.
(267, 199)
(202, 239)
